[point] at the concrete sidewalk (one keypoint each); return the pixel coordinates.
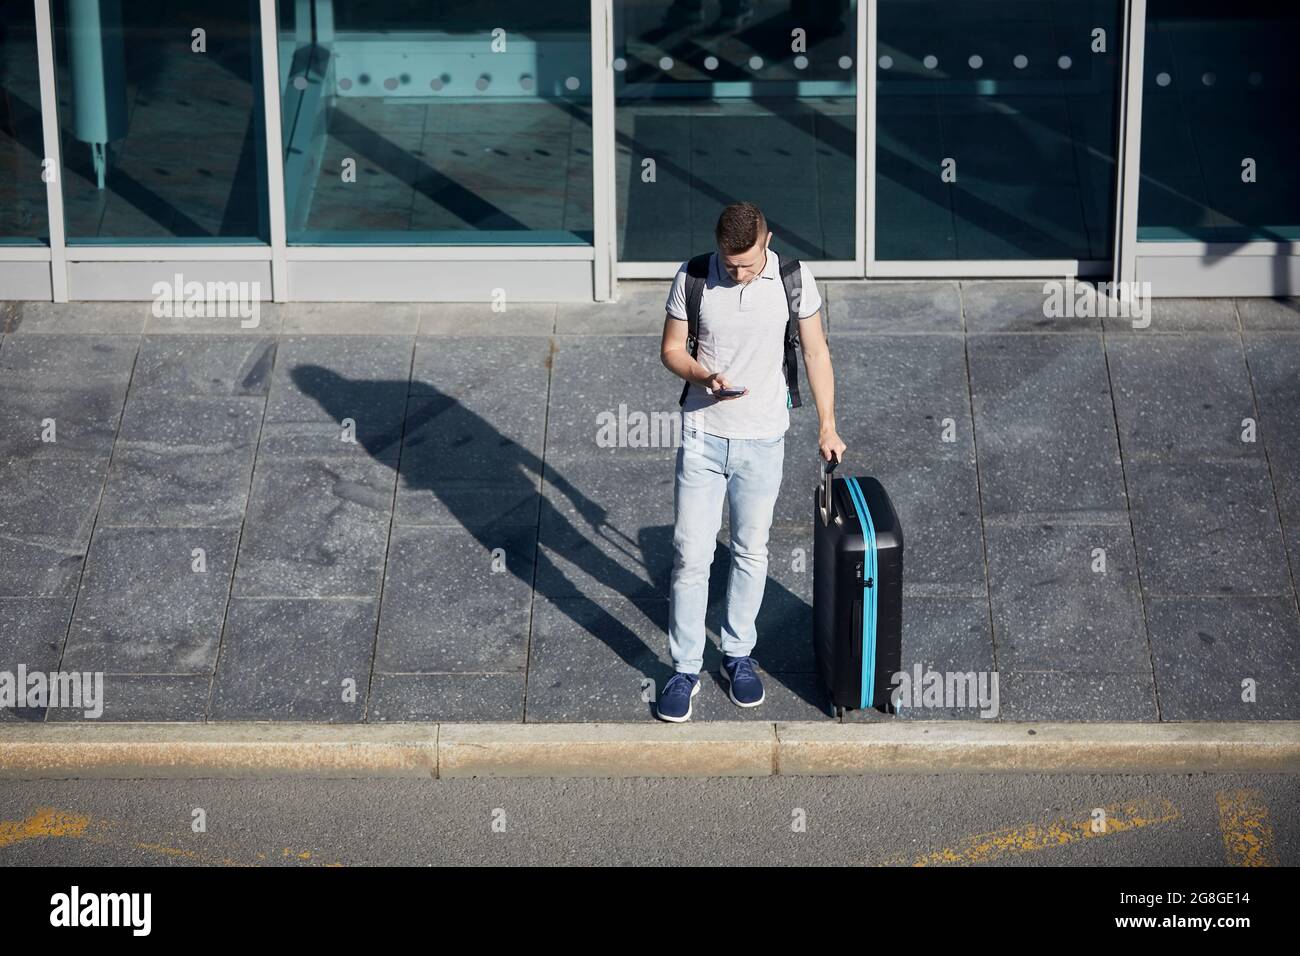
(1101, 515)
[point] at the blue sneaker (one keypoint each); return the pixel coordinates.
(743, 685)
(675, 699)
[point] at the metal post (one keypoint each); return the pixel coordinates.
(52, 165)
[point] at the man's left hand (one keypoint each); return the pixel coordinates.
(829, 444)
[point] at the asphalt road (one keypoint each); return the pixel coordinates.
(1196, 820)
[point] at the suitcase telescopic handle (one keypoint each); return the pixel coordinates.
(826, 503)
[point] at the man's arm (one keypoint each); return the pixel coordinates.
(821, 379)
(673, 353)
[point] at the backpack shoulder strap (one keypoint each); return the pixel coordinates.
(792, 279)
(697, 277)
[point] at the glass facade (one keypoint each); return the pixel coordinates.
(997, 126)
(23, 211)
(409, 122)
(1219, 135)
(163, 137)
(750, 99)
(419, 144)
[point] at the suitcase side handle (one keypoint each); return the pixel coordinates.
(825, 502)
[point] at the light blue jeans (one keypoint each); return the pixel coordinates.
(747, 472)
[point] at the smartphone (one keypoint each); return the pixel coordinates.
(729, 392)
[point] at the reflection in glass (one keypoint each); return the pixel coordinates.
(1220, 87)
(160, 111)
(741, 99)
(23, 213)
(997, 128)
(454, 122)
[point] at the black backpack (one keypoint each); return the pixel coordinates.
(697, 275)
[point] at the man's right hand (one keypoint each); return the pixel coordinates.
(716, 381)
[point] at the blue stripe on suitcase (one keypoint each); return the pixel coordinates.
(868, 592)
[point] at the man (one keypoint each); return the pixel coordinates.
(734, 447)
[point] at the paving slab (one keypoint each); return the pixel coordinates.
(1044, 427)
(294, 659)
(1066, 598)
(1182, 398)
(316, 527)
(32, 633)
(452, 697)
(204, 365)
(180, 698)
(457, 601)
(1264, 314)
(1071, 696)
(1274, 360)
(149, 604)
(606, 529)
(1207, 529)
(894, 307)
(1175, 315)
(611, 395)
(474, 318)
(1230, 658)
(322, 383)
(1015, 306)
(46, 517)
(182, 461)
(596, 660)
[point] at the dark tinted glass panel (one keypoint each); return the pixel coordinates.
(738, 100)
(1220, 91)
(23, 214)
(997, 128)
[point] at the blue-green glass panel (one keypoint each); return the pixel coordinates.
(160, 111)
(451, 123)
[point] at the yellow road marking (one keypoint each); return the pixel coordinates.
(1247, 831)
(47, 822)
(1032, 837)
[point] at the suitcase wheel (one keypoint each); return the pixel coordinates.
(839, 712)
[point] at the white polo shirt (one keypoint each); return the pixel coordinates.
(742, 335)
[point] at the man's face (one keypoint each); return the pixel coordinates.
(744, 266)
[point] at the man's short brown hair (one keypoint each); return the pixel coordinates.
(741, 226)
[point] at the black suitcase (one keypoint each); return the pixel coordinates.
(857, 591)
